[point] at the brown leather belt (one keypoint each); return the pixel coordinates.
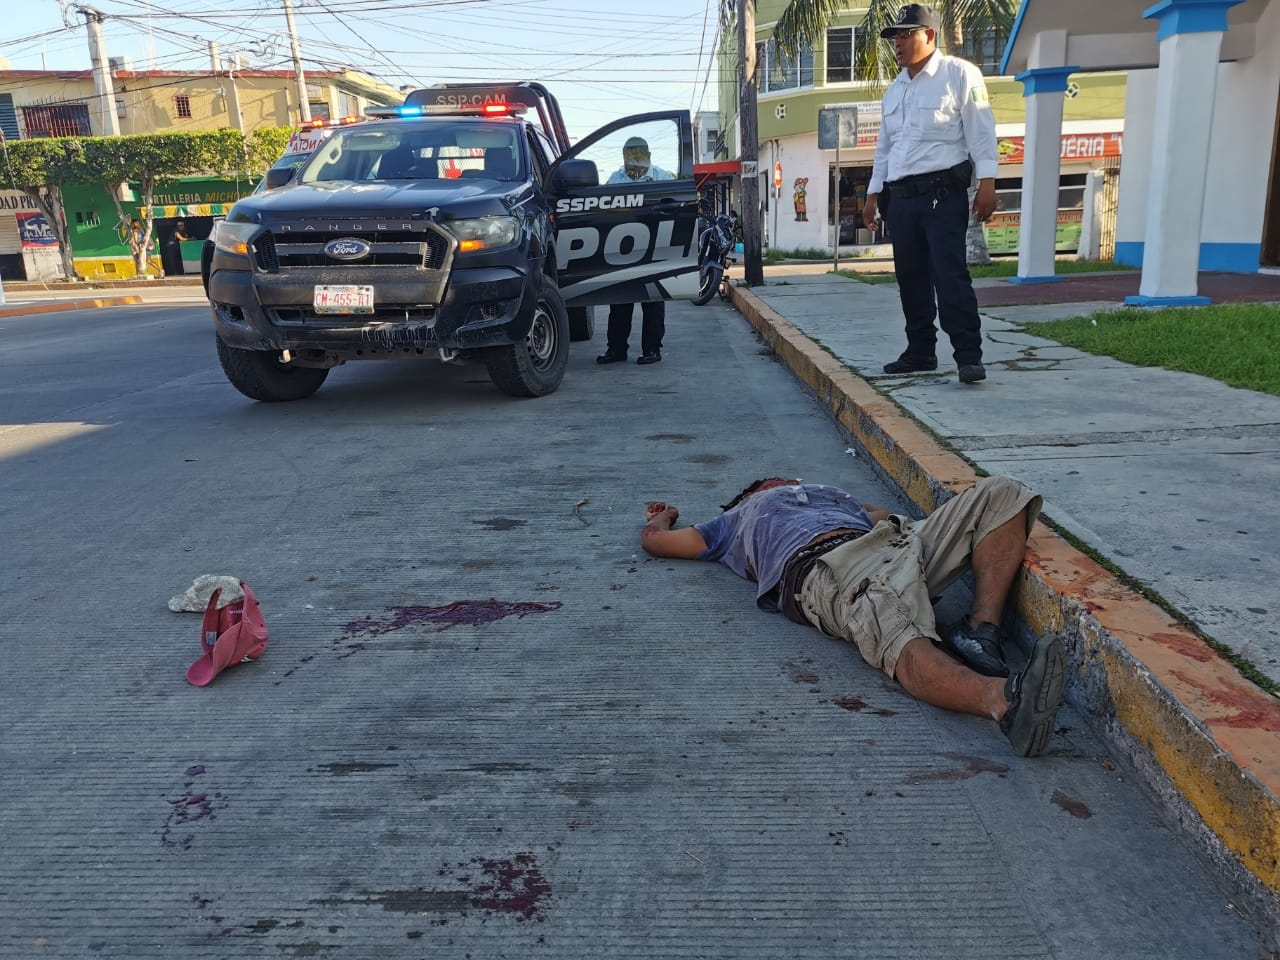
(798, 566)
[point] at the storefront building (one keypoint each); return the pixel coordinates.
(813, 194)
(100, 242)
(28, 246)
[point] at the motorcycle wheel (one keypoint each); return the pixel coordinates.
(708, 283)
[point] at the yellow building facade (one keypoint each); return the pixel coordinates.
(42, 103)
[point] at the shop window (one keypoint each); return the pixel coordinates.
(776, 73)
(844, 45)
(852, 185)
(182, 105)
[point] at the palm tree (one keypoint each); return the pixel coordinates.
(804, 22)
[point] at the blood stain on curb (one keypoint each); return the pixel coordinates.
(471, 612)
(972, 767)
(1071, 805)
(801, 671)
(514, 886)
(857, 705)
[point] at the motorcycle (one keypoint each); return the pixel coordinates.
(715, 249)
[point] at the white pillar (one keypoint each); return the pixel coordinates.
(1041, 173)
(1190, 38)
(1090, 225)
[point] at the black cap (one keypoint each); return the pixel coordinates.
(912, 17)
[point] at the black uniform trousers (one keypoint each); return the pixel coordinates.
(928, 231)
(653, 324)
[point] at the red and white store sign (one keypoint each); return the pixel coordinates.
(1075, 146)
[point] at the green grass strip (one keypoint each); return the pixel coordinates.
(1235, 343)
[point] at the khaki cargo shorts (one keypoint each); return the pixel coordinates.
(876, 591)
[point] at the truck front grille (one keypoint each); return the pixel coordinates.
(427, 249)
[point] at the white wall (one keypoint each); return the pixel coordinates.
(1244, 120)
(801, 158)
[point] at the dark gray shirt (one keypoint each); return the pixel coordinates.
(756, 537)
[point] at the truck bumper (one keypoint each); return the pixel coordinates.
(470, 309)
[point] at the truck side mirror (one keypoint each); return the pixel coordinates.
(279, 176)
(572, 174)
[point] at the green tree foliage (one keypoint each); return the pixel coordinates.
(40, 168)
(152, 160)
(147, 162)
(264, 147)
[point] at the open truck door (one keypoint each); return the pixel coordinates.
(626, 212)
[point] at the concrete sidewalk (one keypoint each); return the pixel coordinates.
(25, 298)
(1171, 477)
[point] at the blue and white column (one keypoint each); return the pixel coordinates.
(1044, 89)
(1190, 37)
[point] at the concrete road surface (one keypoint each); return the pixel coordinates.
(486, 724)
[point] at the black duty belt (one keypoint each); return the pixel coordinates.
(797, 568)
(919, 184)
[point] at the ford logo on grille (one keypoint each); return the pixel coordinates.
(347, 248)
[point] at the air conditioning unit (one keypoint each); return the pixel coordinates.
(120, 64)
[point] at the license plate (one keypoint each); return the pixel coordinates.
(343, 298)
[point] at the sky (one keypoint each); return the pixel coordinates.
(602, 59)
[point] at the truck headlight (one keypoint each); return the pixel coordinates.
(233, 237)
(484, 233)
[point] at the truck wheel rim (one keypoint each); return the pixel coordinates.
(542, 338)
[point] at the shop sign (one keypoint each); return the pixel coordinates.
(838, 126)
(1075, 146)
(16, 200)
(869, 116)
(35, 232)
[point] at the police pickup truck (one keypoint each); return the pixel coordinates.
(465, 227)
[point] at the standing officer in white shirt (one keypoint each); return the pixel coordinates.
(938, 131)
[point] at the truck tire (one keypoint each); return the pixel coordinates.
(582, 323)
(206, 263)
(260, 376)
(535, 366)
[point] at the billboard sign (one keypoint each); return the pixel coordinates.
(35, 232)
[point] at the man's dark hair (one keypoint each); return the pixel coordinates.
(749, 490)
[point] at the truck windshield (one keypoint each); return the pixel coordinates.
(406, 150)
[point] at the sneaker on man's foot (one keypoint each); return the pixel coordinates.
(972, 372)
(906, 364)
(1034, 695)
(978, 648)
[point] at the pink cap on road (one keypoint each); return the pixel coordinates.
(237, 633)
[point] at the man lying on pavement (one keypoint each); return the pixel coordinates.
(865, 575)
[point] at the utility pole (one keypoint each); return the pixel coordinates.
(304, 102)
(108, 123)
(233, 98)
(749, 148)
